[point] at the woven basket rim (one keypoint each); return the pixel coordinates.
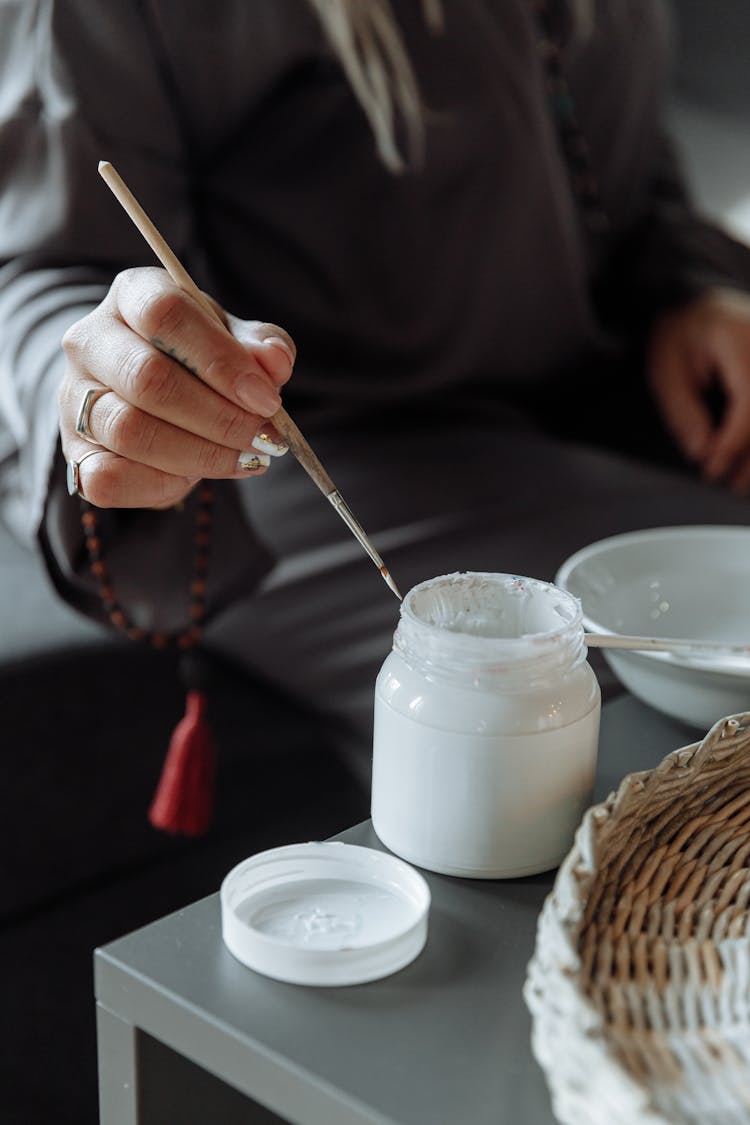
(616, 1060)
(581, 861)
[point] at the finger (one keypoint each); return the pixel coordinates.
(732, 440)
(151, 381)
(146, 440)
(71, 396)
(110, 481)
(739, 481)
(113, 482)
(733, 434)
(176, 324)
(678, 393)
(274, 348)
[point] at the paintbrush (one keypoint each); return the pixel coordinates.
(281, 420)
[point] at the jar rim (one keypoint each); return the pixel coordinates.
(511, 582)
(498, 646)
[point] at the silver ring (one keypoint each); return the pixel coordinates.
(82, 421)
(73, 474)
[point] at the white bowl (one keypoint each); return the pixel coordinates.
(686, 582)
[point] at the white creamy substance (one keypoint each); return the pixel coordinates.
(486, 730)
(328, 913)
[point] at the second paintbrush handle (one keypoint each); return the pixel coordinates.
(666, 644)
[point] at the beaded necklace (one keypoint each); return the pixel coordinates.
(190, 636)
(184, 797)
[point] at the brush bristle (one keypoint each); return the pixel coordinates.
(390, 583)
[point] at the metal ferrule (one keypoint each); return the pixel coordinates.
(343, 509)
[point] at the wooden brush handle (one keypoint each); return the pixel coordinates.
(306, 456)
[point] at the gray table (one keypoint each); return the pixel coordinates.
(188, 1035)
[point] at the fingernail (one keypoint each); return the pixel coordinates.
(276, 358)
(249, 462)
(256, 395)
(267, 443)
(277, 342)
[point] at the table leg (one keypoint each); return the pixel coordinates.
(116, 1051)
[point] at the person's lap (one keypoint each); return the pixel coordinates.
(435, 501)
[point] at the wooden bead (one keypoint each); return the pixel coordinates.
(197, 587)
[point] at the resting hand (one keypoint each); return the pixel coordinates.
(704, 345)
(164, 429)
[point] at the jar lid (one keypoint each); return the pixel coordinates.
(324, 913)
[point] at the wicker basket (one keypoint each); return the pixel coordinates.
(639, 986)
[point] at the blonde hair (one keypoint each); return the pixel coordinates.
(366, 38)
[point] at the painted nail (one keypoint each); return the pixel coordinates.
(257, 396)
(266, 443)
(249, 462)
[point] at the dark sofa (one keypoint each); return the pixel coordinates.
(87, 719)
(81, 863)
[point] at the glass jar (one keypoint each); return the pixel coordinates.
(486, 727)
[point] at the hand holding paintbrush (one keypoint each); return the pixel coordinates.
(281, 421)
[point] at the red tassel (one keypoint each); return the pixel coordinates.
(184, 798)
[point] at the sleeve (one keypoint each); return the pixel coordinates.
(76, 87)
(671, 255)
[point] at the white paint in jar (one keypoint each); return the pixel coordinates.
(486, 727)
